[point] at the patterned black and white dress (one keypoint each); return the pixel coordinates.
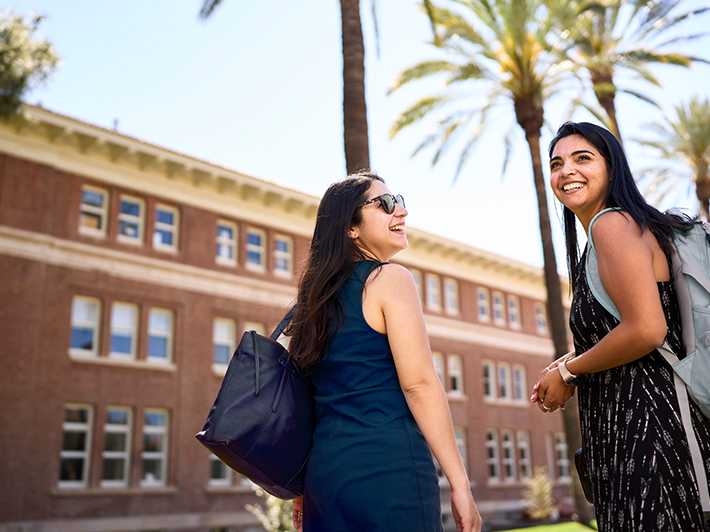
(638, 455)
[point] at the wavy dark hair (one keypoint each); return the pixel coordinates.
(331, 261)
(622, 193)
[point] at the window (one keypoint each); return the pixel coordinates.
(155, 448)
(492, 456)
(220, 474)
(455, 370)
(223, 334)
(484, 304)
(514, 312)
(519, 384)
(160, 335)
(254, 326)
(498, 311)
(85, 313)
(504, 381)
(418, 282)
(451, 296)
(256, 249)
(226, 243)
(561, 461)
(460, 435)
(124, 320)
(283, 256)
(165, 235)
(433, 292)
(76, 446)
(508, 457)
(489, 380)
(438, 360)
(117, 447)
(540, 318)
(523, 440)
(130, 220)
(93, 213)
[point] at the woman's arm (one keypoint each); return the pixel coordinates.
(626, 269)
(397, 296)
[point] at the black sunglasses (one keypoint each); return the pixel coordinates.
(388, 202)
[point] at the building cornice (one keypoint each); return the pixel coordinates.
(105, 155)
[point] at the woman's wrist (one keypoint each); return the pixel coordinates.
(460, 482)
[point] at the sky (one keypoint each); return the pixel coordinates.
(258, 88)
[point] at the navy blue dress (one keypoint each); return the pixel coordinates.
(370, 468)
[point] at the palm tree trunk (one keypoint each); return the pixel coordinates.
(702, 189)
(556, 318)
(357, 153)
(605, 91)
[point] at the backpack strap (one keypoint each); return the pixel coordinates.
(282, 324)
(592, 270)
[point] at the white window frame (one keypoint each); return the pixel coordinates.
(110, 428)
(90, 209)
(285, 255)
(483, 304)
(518, 394)
(504, 382)
(460, 437)
(70, 426)
(138, 220)
(522, 439)
(560, 457)
(219, 482)
(498, 303)
(508, 457)
(152, 455)
(433, 297)
(261, 249)
(230, 243)
(418, 282)
(75, 351)
(540, 318)
(133, 331)
(454, 370)
(514, 317)
(170, 336)
(438, 361)
(451, 296)
(491, 444)
(492, 380)
(172, 228)
(229, 342)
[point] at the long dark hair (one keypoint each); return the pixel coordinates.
(622, 192)
(330, 262)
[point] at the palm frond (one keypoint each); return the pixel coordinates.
(684, 39)
(422, 70)
(649, 56)
(640, 96)
(375, 26)
(416, 112)
(208, 7)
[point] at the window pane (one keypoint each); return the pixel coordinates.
(225, 251)
(157, 347)
(152, 469)
(74, 441)
(121, 344)
(92, 197)
(91, 220)
(132, 208)
(123, 316)
(254, 257)
(152, 443)
(71, 469)
(282, 264)
(282, 245)
(154, 419)
(254, 238)
(116, 441)
(82, 338)
(163, 237)
(225, 231)
(218, 471)
(129, 229)
(165, 217)
(84, 311)
(160, 322)
(221, 354)
(114, 469)
(117, 417)
(76, 415)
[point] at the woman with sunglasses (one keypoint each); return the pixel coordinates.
(358, 331)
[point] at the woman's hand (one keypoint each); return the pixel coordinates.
(552, 392)
(550, 367)
(464, 510)
(297, 514)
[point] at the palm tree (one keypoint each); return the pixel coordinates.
(357, 152)
(500, 46)
(685, 140)
(604, 38)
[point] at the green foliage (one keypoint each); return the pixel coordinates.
(24, 60)
(538, 495)
(276, 517)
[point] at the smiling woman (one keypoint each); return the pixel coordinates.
(638, 461)
(359, 332)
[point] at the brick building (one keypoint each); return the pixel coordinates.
(129, 272)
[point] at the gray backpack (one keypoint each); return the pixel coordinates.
(691, 281)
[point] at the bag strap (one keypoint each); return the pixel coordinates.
(283, 324)
(695, 455)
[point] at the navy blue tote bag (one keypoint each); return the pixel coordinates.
(261, 423)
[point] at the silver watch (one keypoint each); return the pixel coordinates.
(567, 376)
